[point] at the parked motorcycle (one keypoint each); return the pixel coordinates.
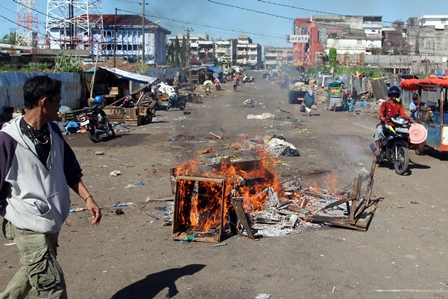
(247, 79)
(177, 101)
(96, 122)
(395, 147)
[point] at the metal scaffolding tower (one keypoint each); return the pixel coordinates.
(75, 24)
(27, 23)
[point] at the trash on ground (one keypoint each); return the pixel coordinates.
(265, 115)
(205, 151)
(278, 146)
(115, 173)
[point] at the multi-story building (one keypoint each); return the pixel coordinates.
(309, 50)
(193, 38)
(373, 28)
(225, 51)
(351, 36)
(127, 41)
(428, 35)
(247, 53)
(275, 56)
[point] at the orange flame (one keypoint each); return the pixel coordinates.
(201, 203)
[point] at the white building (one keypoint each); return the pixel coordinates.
(438, 21)
(127, 42)
(274, 56)
(225, 51)
(247, 53)
(373, 28)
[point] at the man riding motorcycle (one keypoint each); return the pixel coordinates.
(391, 107)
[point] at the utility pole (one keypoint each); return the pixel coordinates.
(143, 34)
(187, 46)
(115, 39)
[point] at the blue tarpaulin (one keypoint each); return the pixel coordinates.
(214, 69)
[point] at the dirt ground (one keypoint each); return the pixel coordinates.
(132, 255)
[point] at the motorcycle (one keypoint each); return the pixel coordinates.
(247, 79)
(394, 147)
(176, 101)
(96, 123)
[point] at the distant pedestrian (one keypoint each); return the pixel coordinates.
(235, 83)
(354, 99)
(308, 100)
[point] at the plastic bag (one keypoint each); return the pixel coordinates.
(302, 108)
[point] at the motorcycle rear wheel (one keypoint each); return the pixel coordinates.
(182, 105)
(401, 161)
(95, 137)
(110, 132)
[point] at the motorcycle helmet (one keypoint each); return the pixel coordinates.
(98, 100)
(394, 90)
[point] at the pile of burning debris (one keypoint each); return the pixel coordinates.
(246, 197)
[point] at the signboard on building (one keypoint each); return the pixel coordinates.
(301, 39)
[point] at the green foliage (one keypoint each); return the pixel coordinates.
(6, 68)
(67, 64)
(376, 51)
(183, 53)
(341, 70)
(177, 51)
(33, 67)
(332, 58)
(42, 66)
(319, 68)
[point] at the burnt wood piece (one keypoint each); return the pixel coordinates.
(361, 209)
(238, 206)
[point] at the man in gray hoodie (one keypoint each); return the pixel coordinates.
(37, 167)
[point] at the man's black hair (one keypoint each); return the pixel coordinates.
(38, 87)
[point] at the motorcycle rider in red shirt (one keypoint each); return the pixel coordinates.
(391, 107)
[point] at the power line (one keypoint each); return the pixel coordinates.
(252, 10)
(335, 14)
(209, 26)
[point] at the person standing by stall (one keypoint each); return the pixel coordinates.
(354, 99)
(414, 107)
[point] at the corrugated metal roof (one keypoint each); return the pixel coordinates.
(127, 75)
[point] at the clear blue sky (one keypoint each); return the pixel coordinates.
(267, 22)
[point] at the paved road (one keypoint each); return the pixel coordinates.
(402, 255)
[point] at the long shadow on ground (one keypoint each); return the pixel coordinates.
(154, 283)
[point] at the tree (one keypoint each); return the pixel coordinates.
(9, 38)
(171, 52)
(376, 51)
(177, 52)
(395, 43)
(183, 53)
(332, 58)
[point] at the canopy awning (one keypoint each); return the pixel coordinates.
(139, 78)
(412, 84)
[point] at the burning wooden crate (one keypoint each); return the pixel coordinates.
(202, 204)
(199, 208)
